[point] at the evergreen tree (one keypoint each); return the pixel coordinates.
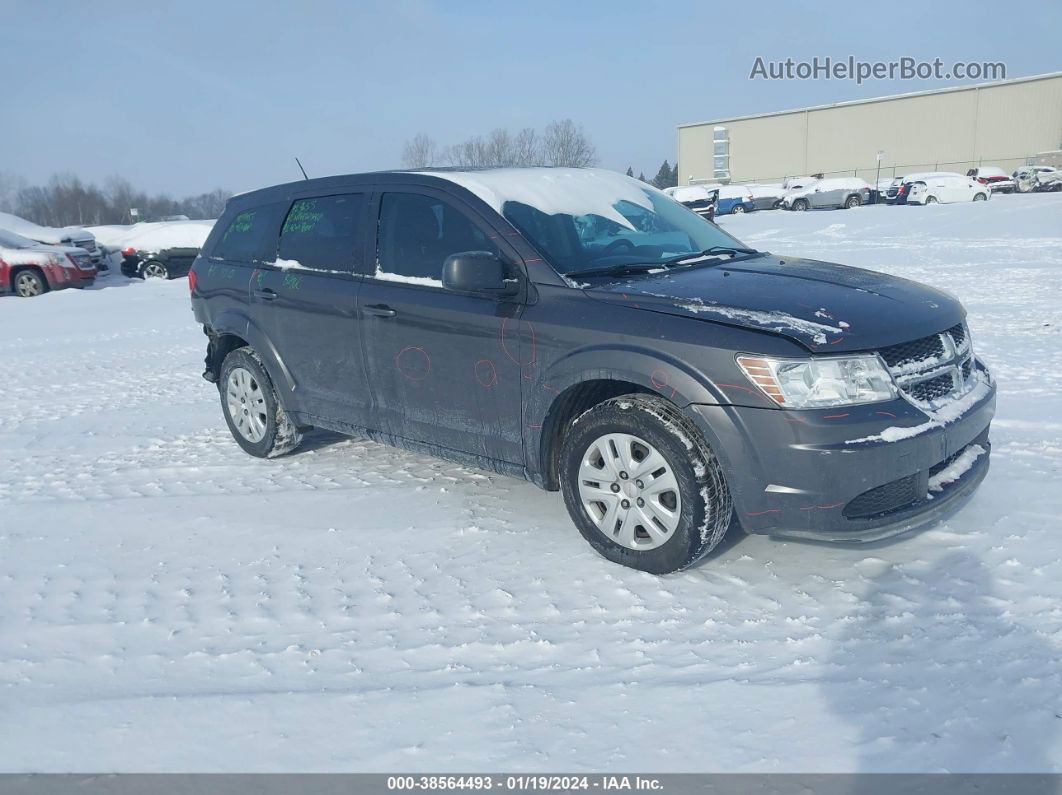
(674, 175)
(664, 177)
(641, 176)
(630, 171)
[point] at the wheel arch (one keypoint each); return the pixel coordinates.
(232, 330)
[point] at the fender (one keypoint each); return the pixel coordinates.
(238, 322)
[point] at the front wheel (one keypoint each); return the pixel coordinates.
(642, 485)
(980, 197)
(29, 284)
(800, 205)
(254, 415)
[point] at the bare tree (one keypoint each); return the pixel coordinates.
(420, 152)
(566, 144)
(10, 185)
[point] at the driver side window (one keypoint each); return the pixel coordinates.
(417, 234)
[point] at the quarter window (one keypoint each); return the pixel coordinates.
(324, 233)
(418, 233)
(248, 234)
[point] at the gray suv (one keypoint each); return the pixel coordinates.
(582, 330)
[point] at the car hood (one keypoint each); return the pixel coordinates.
(823, 306)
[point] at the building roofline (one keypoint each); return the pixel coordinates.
(889, 97)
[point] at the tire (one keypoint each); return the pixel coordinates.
(245, 384)
(29, 284)
(801, 205)
(154, 269)
(852, 201)
(931, 200)
(694, 498)
(738, 209)
(980, 197)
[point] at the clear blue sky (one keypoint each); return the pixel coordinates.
(189, 96)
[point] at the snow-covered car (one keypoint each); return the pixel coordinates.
(1037, 178)
(155, 249)
(72, 236)
(829, 193)
(702, 199)
(734, 200)
(944, 189)
(29, 268)
(994, 177)
(766, 197)
(170, 263)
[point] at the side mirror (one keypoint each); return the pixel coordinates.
(478, 272)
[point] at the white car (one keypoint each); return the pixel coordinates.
(1038, 178)
(942, 188)
(831, 192)
(72, 236)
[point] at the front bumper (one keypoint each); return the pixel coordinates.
(805, 474)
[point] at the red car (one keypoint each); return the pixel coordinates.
(996, 178)
(28, 268)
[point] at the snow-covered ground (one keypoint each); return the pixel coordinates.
(169, 603)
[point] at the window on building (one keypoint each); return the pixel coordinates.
(418, 233)
(325, 233)
(721, 153)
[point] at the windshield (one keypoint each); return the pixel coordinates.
(590, 219)
(11, 240)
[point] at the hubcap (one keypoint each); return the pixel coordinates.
(27, 285)
(154, 270)
(629, 491)
(247, 405)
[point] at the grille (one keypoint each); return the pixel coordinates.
(907, 352)
(885, 498)
(931, 389)
(932, 369)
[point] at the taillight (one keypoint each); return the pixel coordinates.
(903, 190)
(192, 279)
(128, 251)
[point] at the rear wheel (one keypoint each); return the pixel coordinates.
(642, 486)
(931, 199)
(254, 415)
(852, 201)
(738, 208)
(153, 269)
(800, 205)
(29, 284)
(980, 197)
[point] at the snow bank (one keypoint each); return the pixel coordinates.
(154, 236)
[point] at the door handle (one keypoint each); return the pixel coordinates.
(380, 310)
(265, 295)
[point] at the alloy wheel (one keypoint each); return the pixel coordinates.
(155, 270)
(28, 284)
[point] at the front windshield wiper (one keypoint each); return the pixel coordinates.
(618, 270)
(714, 251)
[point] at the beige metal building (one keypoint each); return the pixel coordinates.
(1006, 123)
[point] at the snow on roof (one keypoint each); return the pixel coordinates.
(154, 236)
(44, 234)
(569, 191)
(691, 193)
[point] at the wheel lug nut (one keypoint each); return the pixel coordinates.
(641, 502)
(639, 484)
(626, 504)
(623, 476)
(615, 486)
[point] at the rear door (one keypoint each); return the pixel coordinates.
(445, 367)
(306, 298)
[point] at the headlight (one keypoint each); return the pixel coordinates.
(819, 383)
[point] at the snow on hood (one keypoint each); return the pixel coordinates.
(820, 305)
(571, 191)
(43, 234)
(152, 237)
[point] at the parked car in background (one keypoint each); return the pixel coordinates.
(797, 183)
(993, 176)
(735, 199)
(1037, 178)
(944, 189)
(702, 200)
(29, 268)
(766, 197)
(71, 236)
(829, 193)
(169, 263)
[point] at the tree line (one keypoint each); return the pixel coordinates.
(66, 200)
(561, 143)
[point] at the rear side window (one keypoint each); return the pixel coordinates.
(418, 233)
(325, 233)
(248, 235)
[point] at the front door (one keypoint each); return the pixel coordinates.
(445, 368)
(308, 304)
